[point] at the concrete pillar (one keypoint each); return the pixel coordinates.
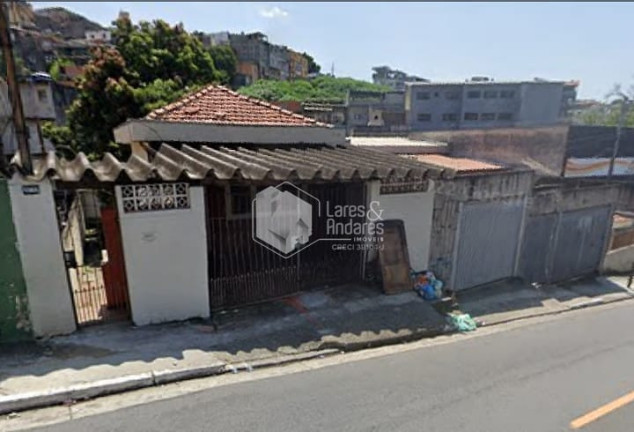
(35, 219)
(166, 260)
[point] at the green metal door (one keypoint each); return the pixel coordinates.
(14, 311)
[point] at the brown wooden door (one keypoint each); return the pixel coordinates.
(394, 258)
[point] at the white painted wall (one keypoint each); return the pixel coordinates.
(166, 261)
(39, 242)
(416, 210)
(619, 261)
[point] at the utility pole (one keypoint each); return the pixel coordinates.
(21, 132)
(625, 105)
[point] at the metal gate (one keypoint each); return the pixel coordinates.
(488, 236)
(561, 246)
(243, 272)
(93, 253)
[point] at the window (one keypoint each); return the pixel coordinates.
(450, 117)
(358, 116)
(155, 197)
(42, 96)
(507, 94)
(436, 94)
(452, 95)
(474, 94)
(424, 117)
(422, 95)
(487, 116)
(505, 116)
(470, 116)
(238, 199)
(490, 94)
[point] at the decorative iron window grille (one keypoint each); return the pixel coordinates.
(155, 197)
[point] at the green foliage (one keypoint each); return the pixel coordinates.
(605, 115)
(313, 67)
(62, 139)
(321, 89)
(226, 62)
(55, 70)
(151, 65)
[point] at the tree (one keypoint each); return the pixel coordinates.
(55, 70)
(150, 65)
(105, 99)
(313, 67)
(225, 61)
(608, 114)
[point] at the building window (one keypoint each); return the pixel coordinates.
(487, 116)
(474, 94)
(436, 94)
(470, 116)
(42, 96)
(424, 117)
(422, 95)
(450, 117)
(505, 116)
(490, 94)
(358, 116)
(239, 199)
(507, 94)
(155, 197)
(452, 95)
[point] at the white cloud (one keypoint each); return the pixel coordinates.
(273, 12)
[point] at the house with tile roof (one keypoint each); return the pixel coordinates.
(210, 182)
(216, 114)
(185, 236)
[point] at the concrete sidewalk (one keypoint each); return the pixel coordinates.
(118, 357)
(512, 300)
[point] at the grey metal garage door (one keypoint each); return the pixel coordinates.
(487, 242)
(561, 246)
(537, 248)
(581, 236)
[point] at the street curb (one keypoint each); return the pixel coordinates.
(24, 401)
(592, 302)
(172, 375)
(280, 361)
(385, 341)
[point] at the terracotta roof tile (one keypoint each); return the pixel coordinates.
(219, 105)
(460, 165)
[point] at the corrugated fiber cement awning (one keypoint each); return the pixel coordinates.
(169, 163)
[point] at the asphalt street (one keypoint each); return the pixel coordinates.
(539, 377)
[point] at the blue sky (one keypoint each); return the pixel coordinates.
(591, 42)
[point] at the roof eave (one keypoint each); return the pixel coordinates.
(145, 130)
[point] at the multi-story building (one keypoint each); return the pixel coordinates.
(215, 39)
(395, 79)
(298, 65)
(246, 74)
(484, 103)
(38, 106)
(569, 98)
(377, 111)
(279, 62)
(99, 36)
(252, 48)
